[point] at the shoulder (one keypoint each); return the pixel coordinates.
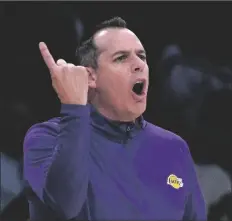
(51, 125)
(157, 132)
(166, 139)
(41, 132)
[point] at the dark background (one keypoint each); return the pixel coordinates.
(201, 30)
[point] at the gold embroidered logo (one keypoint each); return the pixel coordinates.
(175, 182)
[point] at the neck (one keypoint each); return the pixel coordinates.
(112, 113)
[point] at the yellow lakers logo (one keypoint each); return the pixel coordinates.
(175, 182)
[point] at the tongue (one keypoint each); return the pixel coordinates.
(138, 87)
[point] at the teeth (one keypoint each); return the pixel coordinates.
(139, 82)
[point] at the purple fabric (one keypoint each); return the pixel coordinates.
(83, 166)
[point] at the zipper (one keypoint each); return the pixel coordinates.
(128, 130)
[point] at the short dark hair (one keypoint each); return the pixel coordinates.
(88, 53)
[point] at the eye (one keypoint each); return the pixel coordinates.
(142, 57)
(120, 58)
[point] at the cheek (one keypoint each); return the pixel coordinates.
(112, 83)
(147, 70)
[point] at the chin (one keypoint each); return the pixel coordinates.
(139, 109)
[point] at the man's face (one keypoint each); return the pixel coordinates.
(121, 64)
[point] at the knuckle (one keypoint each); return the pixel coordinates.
(81, 68)
(65, 68)
(70, 65)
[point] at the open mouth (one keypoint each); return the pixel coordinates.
(138, 87)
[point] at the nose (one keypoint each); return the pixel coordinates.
(138, 65)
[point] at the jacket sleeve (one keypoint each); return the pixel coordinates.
(195, 207)
(56, 160)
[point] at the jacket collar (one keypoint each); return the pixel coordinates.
(115, 130)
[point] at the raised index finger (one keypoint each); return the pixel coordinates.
(48, 59)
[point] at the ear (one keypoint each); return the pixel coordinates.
(92, 77)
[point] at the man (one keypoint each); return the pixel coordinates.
(100, 160)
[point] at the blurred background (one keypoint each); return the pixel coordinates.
(189, 47)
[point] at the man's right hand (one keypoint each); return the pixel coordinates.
(69, 81)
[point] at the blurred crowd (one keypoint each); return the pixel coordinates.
(189, 96)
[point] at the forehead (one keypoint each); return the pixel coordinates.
(117, 39)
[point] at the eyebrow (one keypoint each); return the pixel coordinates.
(141, 51)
